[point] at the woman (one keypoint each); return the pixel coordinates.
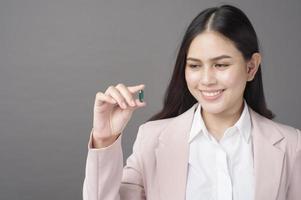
(213, 139)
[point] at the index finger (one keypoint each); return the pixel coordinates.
(136, 88)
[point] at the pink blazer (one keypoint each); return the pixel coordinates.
(157, 168)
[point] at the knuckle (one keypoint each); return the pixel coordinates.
(120, 85)
(99, 94)
(110, 87)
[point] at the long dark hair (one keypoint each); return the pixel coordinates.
(231, 22)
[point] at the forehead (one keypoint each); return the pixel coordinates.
(210, 44)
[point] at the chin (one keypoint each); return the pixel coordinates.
(213, 109)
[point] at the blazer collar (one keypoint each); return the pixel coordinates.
(268, 153)
(172, 156)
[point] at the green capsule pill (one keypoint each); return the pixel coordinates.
(141, 95)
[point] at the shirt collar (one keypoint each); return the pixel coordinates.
(243, 124)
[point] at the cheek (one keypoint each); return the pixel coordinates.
(191, 78)
(233, 79)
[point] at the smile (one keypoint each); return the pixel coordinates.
(212, 95)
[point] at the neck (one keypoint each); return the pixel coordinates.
(217, 124)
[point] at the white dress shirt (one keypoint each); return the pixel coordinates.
(221, 170)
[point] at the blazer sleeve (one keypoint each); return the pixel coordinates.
(107, 179)
(294, 192)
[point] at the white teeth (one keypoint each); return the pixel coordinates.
(211, 94)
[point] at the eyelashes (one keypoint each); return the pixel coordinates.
(217, 65)
(222, 65)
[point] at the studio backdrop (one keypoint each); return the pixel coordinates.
(56, 55)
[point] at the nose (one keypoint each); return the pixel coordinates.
(208, 76)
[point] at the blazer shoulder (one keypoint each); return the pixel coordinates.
(284, 129)
(291, 134)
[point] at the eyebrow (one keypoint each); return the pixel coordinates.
(212, 59)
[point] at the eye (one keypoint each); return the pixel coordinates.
(221, 65)
(192, 66)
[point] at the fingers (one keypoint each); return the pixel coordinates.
(125, 92)
(117, 96)
(124, 95)
(101, 98)
(139, 103)
(134, 89)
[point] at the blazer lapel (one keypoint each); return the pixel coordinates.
(172, 156)
(268, 157)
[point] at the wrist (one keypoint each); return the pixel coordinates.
(103, 142)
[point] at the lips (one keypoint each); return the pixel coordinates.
(212, 94)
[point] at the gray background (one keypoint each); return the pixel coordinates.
(56, 55)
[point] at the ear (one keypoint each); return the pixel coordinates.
(253, 65)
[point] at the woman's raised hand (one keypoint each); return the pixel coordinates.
(112, 111)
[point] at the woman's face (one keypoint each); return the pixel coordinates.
(216, 73)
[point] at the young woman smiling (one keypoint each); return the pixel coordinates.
(213, 139)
